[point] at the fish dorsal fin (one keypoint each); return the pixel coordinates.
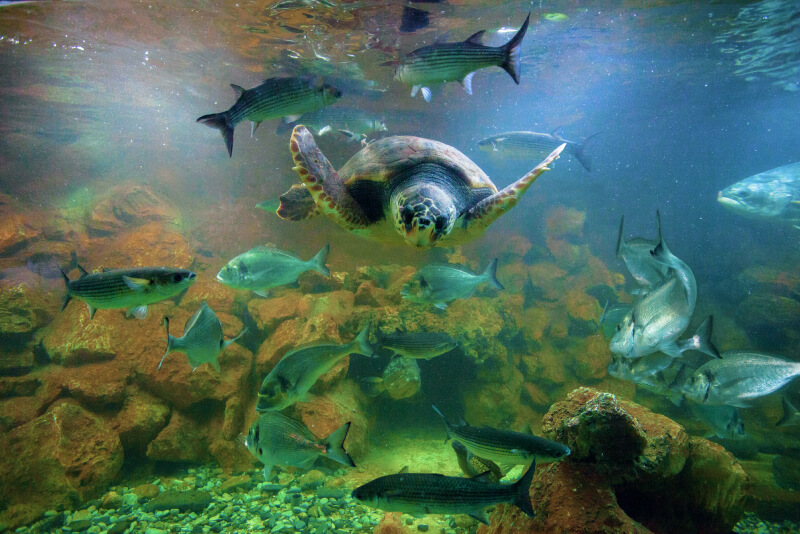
(476, 38)
(193, 319)
(403, 471)
(83, 271)
(238, 90)
(486, 476)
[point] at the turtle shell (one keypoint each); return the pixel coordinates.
(372, 173)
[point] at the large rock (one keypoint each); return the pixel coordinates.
(140, 420)
(24, 308)
(129, 205)
(184, 439)
(153, 244)
(660, 477)
(17, 227)
(61, 458)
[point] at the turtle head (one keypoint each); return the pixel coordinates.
(424, 214)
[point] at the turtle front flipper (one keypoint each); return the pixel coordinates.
(323, 182)
(297, 204)
(485, 212)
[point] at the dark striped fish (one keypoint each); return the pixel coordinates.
(418, 345)
(133, 288)
(505, 446)
(202, 339)
(276, 97)
(448, 62)
(533, 145)
(419, 493)
(472, 466)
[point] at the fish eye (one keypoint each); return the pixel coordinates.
(177, 277)
(744, 193)
(260, 451)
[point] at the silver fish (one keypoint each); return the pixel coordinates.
(738, 377)
(635, 252)
(419, 494)
(504, 446)
(132, 288)
(291, 379)
(401, 379)
(441, 284)
(531, 145)
(662, 254)
(357, 122)
(275, 439)
(263, 267)
(724, 421)
(772, 195)
(202, 340)
(418, 345)
(447, 62)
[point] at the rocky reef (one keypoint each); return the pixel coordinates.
(83, 403)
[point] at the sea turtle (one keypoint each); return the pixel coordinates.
(420, 190)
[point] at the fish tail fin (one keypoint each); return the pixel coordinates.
(661, 253)
(362, 344)
(231, 341)
(222, 122)
(491, 274)
(334, 446)
(317, 263)
(447, 424)
(580, 155)
(170, 341)
(620, 239)
(702, 338)
(67, 296)
(790, 415)
(373, 386)
(512, 50)
(523, 485)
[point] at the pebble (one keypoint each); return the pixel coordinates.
(422, 527)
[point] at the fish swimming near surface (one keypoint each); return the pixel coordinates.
(262, 268)
(131, 289)
(441, 284)
(356, 122)
(419, 493)
(203, 339)
(275, 97)
(275, 439)
(772, 195)
(473, 466)
(724, 421)
(446, 62)
(417, 345)
(791, 417)
(636, 253)
(739, 377)
(292, 378)
(506, 447)
(532, 145)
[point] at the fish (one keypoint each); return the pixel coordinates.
(400, 380)
(533, 145)
(447, 62)
(131, 289)
(202, 341)
(662, 254)
(473, 466)
(636, 253)
(791, 417)
(504, 446)
(263, 267)
(651, 374)
(442, 284)
(420, 493)
(275, 439)
(356, 122)
(291, 379)
(413, 19)
(772, 195)
(418, 345)
(724, 421)
(275, 97)
(739, 377)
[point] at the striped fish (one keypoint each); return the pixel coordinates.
(472, 466)
(418, 345)
(347, 121)
(419, 493)
(275, 97)
(202, 339)
(291, 379)
(133, 288)
(533, 145)
(448, 62)
(505, 446)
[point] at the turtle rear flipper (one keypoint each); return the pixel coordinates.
(485, 212)
(323, 182)
(297, 204)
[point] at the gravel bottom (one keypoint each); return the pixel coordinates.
(751, 524)
(203, 500)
